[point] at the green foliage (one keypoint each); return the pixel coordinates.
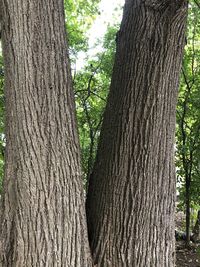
(188, 114)
(91, 88)
(79, 17)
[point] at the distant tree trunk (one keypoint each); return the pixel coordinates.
(42, 214)
(187, 160)
(187, 208)
(196, 231)
(131, 197)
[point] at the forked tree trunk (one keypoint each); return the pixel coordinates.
(131, 198)
(42, 215)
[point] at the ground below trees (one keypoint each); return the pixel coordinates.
(187, 257)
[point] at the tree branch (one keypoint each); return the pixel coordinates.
(197, 3)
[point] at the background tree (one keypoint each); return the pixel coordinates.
(130, 203)
(42, 210)
(188, 121)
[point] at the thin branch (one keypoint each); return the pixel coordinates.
(91, 92)
(100, 97)
(197, 3)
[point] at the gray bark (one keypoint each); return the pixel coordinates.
(42, 211)
(131, 197)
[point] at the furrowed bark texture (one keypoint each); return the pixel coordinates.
(131, 198)
(43, 219)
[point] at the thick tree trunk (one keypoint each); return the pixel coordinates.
(131, 198)
(43, 220)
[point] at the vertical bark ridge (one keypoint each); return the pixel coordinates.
(43, 220)
(131, 197)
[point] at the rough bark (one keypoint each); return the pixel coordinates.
(131, 198)
(42, 211)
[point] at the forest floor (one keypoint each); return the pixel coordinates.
(187, 257)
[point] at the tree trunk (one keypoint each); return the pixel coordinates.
(187, 161)
(196, 231)
(43, 219)
(131, 198)
(187, 208)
